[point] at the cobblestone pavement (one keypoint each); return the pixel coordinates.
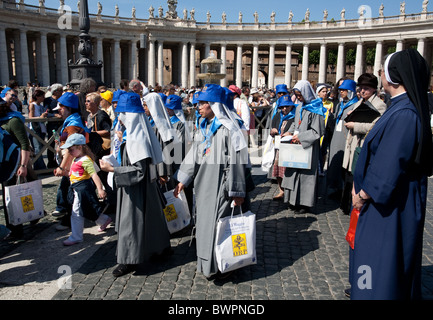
(300, 257)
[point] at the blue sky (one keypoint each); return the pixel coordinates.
(264, 8)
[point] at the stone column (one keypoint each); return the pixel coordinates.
(255, 66)
(100, 55)
(271, 82)
(4, 63)
(25, 71)
(192, 71)
(378, 58)
(223, 81)
(305, 64)
(18, 54)
(184, 75)
(151, 63)
(161, 62)
(239, 66)
(399, 46)
(206, 53)
(323, 66)
(133, 67)
(64, 59)
(117, 63)
(359, 63)
(45, 76)
(421, 46)
(341, 62)
(288, 69)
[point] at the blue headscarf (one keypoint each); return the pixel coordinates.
(349, 85)
(216, 124)
(316, 106)
(288, 116)
(281, 88)
(74, 120)
(174, 119)
(13, 114)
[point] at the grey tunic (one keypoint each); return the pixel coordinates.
(334, 174)
(178, 152)
(140, 222)
(218, 176)
(300, 184)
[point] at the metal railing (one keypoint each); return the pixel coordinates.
(46, 143)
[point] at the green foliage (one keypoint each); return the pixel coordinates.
(370, 56)
(350, 57)
(332, 56)
(314, 57)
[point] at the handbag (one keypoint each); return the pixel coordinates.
(350, 236)
(268, 154)
(176, 211)
(24, 202)
(235, 243)
(106, 142)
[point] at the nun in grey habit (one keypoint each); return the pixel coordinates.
(165, 133)
(335, 172)
(140, 222)
(216, 164)
(300, 185)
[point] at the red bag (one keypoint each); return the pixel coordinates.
(350, 236)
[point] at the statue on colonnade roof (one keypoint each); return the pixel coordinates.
(171, 13)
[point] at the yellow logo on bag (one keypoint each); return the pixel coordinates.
(27, 203)
(170, 213)
(239, 242)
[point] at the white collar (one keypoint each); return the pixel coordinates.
(400, 94)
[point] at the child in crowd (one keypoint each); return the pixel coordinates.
(82, 191)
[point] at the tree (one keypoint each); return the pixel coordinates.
(332, 56)
(314, 57)
(351, 57)
(370, 56)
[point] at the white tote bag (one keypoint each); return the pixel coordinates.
(176, 211)
(24, 202)
(295, 156)
(268, 154)
(235, 245)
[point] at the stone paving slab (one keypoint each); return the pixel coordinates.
(300, 257)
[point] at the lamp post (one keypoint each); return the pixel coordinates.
(84, 67)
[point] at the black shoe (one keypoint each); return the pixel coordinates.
(303, 210)
(347, 292)
(123, 269)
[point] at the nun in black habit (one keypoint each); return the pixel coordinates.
(390, 187)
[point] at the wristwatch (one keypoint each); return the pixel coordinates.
(23, 165)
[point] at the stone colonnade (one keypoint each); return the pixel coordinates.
(162, 51)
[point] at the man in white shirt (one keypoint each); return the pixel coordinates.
(241, 106)
(10, 97)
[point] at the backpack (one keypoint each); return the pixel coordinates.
(9, 156)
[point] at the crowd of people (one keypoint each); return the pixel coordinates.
(373, 147)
